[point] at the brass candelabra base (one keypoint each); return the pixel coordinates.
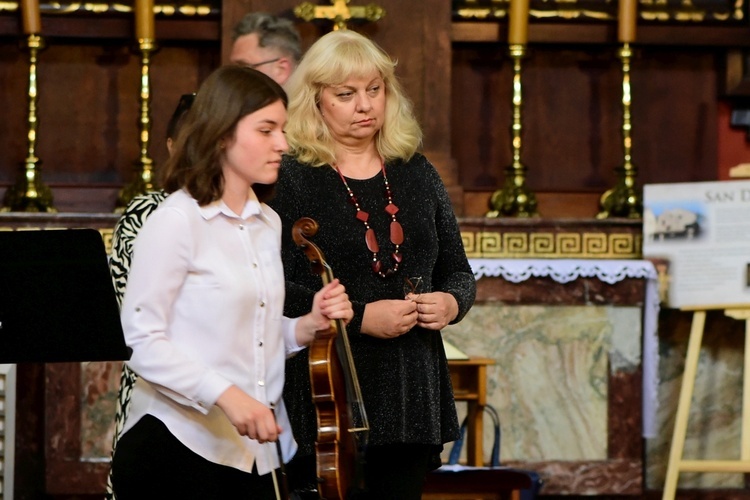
(622, 200)
(142, 184)
(29, 193)
(514, 199)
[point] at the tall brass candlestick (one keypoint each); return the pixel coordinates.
(30, 194)
(624, 200)
(144, 182)
(515, 199)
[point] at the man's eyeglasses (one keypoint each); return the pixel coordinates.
(255, 66)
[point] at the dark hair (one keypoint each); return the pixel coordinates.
(178, 116)
(272, 31)
(225, 97)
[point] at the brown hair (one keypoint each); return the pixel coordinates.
(228, 94)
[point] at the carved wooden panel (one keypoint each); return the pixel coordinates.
(572, 116)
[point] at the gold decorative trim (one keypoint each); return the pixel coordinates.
(650, 10)
(166, 9)
(541, 245)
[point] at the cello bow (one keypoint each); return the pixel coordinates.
(342, 422)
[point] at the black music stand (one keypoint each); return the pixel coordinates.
(57, 301)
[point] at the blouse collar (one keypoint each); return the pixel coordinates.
(252, 208)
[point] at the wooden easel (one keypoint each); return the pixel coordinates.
(676, 462)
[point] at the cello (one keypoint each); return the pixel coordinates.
(342, 422)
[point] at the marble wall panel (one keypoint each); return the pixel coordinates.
(100, 382)
(550, 378)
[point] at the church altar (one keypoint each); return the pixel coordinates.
(575, 350)
(608, 271)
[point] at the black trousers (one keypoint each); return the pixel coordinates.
(392, 472)
(149, 462)
(398, 471)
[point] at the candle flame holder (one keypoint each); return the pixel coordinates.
(144, 180)
(30, 194)
(624, 200)
(514, 199)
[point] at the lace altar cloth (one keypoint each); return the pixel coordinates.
(608, 271)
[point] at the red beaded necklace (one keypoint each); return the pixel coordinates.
(396, 232)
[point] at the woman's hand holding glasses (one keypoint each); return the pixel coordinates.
(435, 310)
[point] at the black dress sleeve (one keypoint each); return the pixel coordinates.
(452, 272)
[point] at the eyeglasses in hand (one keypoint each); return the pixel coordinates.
(414, 285)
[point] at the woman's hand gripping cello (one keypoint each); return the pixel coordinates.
(251, 417)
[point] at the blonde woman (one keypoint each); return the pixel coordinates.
(388, 230)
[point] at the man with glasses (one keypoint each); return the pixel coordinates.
(267, 43)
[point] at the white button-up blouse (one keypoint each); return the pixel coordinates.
(203, 310)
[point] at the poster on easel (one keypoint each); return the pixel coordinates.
(697, 234)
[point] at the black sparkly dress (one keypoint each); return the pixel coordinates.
(405, 382)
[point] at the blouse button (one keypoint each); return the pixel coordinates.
(255, 265)
(242, 228)
(262, 304)
(260, 344)
(261, 383)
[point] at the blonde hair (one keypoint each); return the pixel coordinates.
(334, 58)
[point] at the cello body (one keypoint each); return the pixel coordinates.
(341, 417)
(334, 448)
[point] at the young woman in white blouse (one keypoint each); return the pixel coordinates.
(204, 303)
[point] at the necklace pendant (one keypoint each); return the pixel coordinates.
(362, 215)
(372, 241)
(397, 233)
(391, 208)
